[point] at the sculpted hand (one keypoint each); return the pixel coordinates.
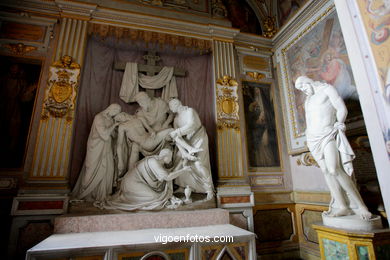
(168, 138)
(173, 134)
(340, 126)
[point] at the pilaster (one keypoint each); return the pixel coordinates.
(52, 150)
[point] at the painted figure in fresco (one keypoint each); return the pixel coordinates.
(325, 113)
(335, 72)
(96, 178)
(262, 131)
(189, 127)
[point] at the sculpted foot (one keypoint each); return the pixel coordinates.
(210, 195)
(187, 201)
(338, 212)
(364, 214)
(174, 203)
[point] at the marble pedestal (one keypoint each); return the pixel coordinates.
(353, 222)
(337, 243)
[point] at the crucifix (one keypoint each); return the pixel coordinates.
(150, 68)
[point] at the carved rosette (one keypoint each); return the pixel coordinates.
(227, 103)
(62, 89)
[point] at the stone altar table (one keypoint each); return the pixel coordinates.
(141, 244)
(135, 236)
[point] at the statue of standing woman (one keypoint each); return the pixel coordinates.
(97, 175)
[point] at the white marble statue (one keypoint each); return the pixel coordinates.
(191, 139)
(96, 178)
(148, 186)
(113, 157)
(136, 136)
(325, 113)
(154, 110)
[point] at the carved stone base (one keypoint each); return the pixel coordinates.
(353, 222)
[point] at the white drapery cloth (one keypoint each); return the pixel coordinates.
(317, 142)
(131, 79)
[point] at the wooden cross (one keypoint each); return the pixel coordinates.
(150, 68)
(316, 61)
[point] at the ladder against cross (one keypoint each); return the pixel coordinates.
(150, 68)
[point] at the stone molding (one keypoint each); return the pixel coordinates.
(298, 197)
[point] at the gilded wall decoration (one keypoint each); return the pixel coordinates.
(306, 159)
(255, 75)
(269, 24)
(227, 103)
(19, 48)
(62, 89)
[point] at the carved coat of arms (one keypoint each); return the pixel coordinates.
(227, 103)
(61, 91)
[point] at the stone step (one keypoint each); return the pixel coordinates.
(136, 221)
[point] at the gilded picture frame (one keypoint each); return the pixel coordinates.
(261, 131)
(315, 50)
